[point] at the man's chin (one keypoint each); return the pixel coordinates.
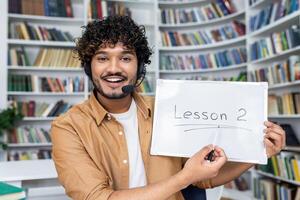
(113, 95)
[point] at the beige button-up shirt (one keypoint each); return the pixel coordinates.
(90, 154)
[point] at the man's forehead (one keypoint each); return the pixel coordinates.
(118, 47)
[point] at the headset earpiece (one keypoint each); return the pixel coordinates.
(87, 69)
(141, 71)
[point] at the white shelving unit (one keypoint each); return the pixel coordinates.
(265, 31)
(210, 22)
(233, 67)
(62, 23)
(236, 194)
(142, 12)
(145, 12)
(227, 71)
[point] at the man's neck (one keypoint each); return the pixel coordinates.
(115, 105)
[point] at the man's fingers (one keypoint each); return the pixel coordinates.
(220, 152)
(279, 140)
(274, 129)
(205, 150)
(271, 145)
(220, 156)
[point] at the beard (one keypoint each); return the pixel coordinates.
(113, 95)
(109, 95)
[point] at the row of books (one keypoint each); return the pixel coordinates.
(55, 8)
(95, 9)
(42, 109)
(281, 72)
(276, 43)
(265, 188)
(68, 85)
(285, 165)
(118, 8)
(242, 76)
(204, 61)
(23, 30)
(33, 83)
(223, 33)
(208, 12)
(100, 8)
(288, 104)
(46, 57)
(29, 135)
(273, 12)
(16, 155)
(57, 58)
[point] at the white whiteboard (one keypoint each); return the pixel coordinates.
(189, 114)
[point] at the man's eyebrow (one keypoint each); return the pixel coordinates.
(122, 52)
(100, 52)
(128, 52)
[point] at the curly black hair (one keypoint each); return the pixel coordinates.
(110, 31)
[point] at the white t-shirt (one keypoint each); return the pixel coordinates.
(129, 121)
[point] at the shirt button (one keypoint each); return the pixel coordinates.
(125, 161)
(120, 133)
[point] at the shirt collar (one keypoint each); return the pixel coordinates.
(99, 112)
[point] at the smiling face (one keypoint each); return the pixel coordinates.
(112, 68)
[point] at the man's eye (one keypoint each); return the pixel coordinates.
(126, 59)
(101, 59)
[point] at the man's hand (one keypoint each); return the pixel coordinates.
(274, 138)
(197, 168)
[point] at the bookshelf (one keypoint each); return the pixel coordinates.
(208, 17)
(37, 69)
(148, 13)
(281, 23)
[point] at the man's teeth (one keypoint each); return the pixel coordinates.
(114, 79)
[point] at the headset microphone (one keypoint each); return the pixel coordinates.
(128, 89)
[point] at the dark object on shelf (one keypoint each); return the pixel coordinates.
(291, 139)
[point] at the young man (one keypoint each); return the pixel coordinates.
(101, 147)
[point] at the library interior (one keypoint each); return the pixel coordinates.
(42, 77)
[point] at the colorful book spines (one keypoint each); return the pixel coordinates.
(229, 31)
(210, 11)
(285, 104)
(242, 76)
(285, 165)
(68, 85)
(207, 61)
(25, 135)
(276, 43)
(53, 8)
(15, 155)
(26, 31)
(32, 83)
(265, 188)
(42, 109)
(46, 57)
(19, 83)
(282, 72)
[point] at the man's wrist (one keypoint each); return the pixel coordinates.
(183, 180)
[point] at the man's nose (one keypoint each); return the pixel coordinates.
(114, 66)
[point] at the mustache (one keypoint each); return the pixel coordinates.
(114, 74)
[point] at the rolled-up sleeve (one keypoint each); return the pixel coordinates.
(77, 172)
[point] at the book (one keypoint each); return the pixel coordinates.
(10, 192)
